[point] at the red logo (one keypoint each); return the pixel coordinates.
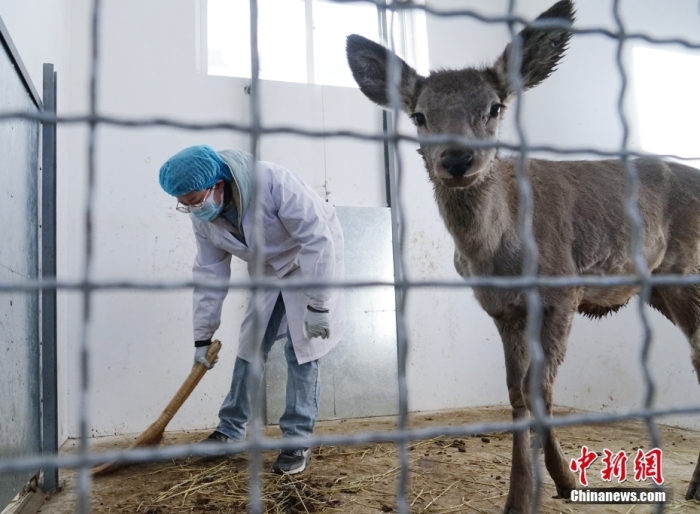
(648, 465)
(614, 465)
(581, 464)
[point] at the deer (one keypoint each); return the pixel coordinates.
(579, 220)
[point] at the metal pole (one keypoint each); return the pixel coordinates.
(48, 271)
(393, 174)
(386, 116)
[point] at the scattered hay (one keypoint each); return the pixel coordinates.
(222, 486)
(447, 475)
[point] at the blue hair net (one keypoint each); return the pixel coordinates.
(193, 169)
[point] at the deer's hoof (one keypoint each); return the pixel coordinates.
(693, 492)
(563, 492)
(516, 508)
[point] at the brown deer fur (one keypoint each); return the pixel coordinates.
(579, 220)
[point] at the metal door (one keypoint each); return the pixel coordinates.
(359, 377)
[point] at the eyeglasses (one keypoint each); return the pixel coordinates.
(180, 207)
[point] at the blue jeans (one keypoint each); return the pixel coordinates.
(303, 389)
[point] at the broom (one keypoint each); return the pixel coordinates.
(153, 435)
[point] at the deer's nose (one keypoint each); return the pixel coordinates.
(457, 162)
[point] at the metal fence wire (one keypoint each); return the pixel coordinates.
(529, 281)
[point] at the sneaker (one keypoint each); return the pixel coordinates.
(291, 462)
(217, 437)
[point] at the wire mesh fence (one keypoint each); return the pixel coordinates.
(529, 281)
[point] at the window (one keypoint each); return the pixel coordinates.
(668, 106)
(302, 40)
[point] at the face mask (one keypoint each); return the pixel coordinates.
(208, 211)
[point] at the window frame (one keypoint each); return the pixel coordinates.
(405, 20)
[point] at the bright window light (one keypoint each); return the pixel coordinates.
(303, 40)
(281, 39)
(333, 22)
(668, 104)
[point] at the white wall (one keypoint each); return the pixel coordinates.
(141, 341)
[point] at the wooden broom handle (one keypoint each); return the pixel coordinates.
(182, 394)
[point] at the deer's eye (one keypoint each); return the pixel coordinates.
(496, 110)
(418, 118)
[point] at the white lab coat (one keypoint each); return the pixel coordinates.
(303, 238)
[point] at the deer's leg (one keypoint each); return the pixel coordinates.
(554, 335)
(517, 361)
(693, 491)
(682, 306)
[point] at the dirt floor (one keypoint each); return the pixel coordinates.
(447, 474)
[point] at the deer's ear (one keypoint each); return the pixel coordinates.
(542, 49)
(369, 63)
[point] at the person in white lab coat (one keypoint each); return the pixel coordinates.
(302, 238)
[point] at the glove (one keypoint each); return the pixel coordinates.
(200, 356)
(317, 324)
